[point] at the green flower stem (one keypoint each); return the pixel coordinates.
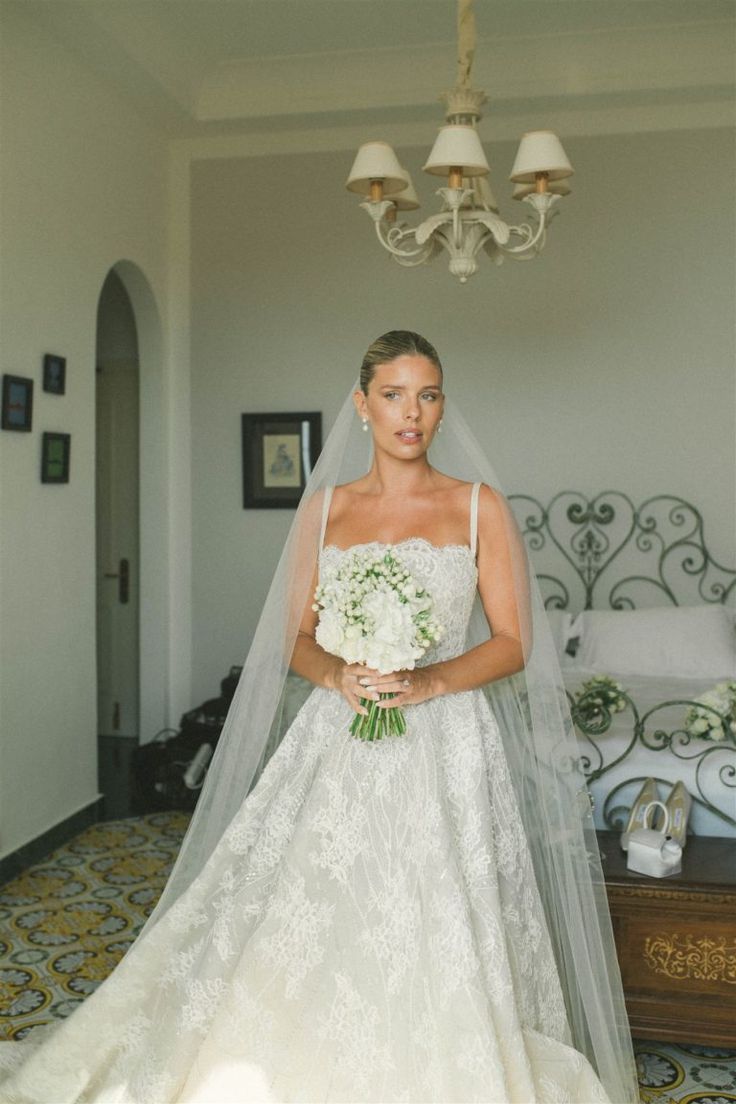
(379, 722)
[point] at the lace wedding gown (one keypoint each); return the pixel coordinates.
(368, 928)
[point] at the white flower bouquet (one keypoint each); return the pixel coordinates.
(599, 695)
(714, 713)
(372, 611)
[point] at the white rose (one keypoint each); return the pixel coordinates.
(329, 632)
(392, 621)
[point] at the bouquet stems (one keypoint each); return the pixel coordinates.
(378, 722)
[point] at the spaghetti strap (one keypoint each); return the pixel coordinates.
(474, 518)
(325, 511)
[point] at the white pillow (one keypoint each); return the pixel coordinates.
(683, 641)
(560, 623)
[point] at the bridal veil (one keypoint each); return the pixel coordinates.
(539, 742)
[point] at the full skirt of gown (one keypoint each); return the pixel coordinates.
(368, 929)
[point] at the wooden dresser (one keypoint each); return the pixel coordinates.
(676, 942)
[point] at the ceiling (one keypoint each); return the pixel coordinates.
(217, 67)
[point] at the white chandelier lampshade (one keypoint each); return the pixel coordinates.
(555, 187)
(457, 146)
(468, 224)
(376, 161)
(540, 151)
(407, 199)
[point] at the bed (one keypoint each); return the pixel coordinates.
(633, 592)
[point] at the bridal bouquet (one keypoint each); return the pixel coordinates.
(594, 703)
(715, 709)
(372, 611)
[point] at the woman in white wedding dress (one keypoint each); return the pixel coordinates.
(368, 925)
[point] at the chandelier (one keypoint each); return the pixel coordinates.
(468, 221)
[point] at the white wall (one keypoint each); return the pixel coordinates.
(83, 186)
(608, 362)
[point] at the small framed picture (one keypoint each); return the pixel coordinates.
(55, 449)
(279, 452)
(54, 373)
(17, 402)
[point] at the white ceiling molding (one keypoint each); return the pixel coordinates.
(582, 124)
(607, 68)
(669, 60)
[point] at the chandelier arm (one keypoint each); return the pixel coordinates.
(414, 262)
(396, 234)
(533, 239)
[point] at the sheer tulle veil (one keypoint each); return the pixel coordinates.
(534, 717)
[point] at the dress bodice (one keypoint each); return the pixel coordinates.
(450, 575)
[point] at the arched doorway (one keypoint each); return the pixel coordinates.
(131, 513)
(117, 513)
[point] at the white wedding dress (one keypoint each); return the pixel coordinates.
(368, 928)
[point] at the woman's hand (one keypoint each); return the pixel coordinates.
(353, 680)
(407, 687)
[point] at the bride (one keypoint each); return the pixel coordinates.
(418, 918)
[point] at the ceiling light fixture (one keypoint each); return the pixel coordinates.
(469, 219)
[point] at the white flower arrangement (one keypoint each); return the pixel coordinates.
(715, 713)
(372, 611)
(598, 694)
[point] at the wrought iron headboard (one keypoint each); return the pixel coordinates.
(602, 552)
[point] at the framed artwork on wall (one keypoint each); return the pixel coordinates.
(55, 449)
(279, 452)
(54, 373)
(17, 402)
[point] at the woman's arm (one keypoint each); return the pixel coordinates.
(500, 559)
(311, 661)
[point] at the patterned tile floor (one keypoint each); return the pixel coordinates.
(67, 921)
(685, 1074)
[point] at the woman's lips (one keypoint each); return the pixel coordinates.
(409, 437)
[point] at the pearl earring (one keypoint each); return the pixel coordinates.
(439, 426)
(365, 425)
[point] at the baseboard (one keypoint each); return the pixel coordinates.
(36, 849)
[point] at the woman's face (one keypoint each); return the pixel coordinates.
(403, 405)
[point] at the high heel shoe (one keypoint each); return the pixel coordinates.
(648, 792)
(678, 805)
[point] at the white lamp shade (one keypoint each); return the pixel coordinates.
(457, 146)
(556, 187)
(375, 161)
(540, 151)
(406, 200)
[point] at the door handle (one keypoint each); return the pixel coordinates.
(124, 576)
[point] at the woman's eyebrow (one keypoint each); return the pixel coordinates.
(400, 387)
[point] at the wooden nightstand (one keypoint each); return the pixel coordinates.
(676, 942)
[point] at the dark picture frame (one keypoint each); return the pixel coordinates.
(55, 452)
(54, 373)
(279, 452)
(17, 403)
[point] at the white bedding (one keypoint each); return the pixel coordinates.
(647, 691)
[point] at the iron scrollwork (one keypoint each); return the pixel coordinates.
(590, 538)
